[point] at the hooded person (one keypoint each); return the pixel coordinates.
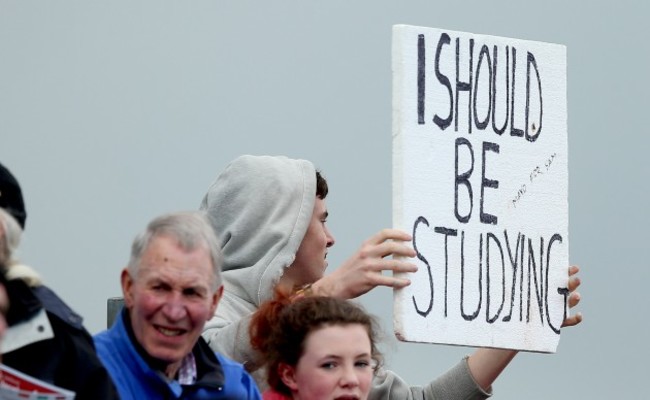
(45, 338)
(260, 208)
(270, 216)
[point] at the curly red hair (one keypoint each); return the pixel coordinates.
(279, 328)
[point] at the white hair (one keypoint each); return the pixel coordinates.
(191, 229)
(10, 234)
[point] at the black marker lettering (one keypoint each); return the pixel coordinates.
(421, 78)
(554, 238)
(466, 316)
(464, 86)
(485, 53)
(485, 182)
(447, 232)
(531, 61)
(424, 260)
(443, 123)
(502, 129)
(487, 275)
(514, 131)
(463, 179)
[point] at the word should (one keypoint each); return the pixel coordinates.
(487, 62)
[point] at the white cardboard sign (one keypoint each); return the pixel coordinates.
(480, 178)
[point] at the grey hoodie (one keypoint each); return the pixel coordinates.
(260, 208)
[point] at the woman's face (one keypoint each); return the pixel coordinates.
(336, 364)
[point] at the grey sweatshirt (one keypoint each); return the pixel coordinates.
(260, 208)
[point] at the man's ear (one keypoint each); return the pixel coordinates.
(287, 374)
(216, 297)
(127, 288)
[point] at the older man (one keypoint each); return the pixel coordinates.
(171, 286)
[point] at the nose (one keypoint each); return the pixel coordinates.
(174, 308)
(349, 378)
(330, 238)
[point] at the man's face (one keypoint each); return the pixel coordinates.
(170, 299)
(310, 263)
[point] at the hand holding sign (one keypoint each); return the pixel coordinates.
(363, 271)
(574, 297)
(486, 364)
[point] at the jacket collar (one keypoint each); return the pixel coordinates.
(208, 368)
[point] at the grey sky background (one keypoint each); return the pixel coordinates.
(114, 112)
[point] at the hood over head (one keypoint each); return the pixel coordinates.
(260, 208)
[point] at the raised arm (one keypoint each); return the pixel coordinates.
(363, 271)
(486, 364)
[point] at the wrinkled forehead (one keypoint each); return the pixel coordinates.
(165, 259)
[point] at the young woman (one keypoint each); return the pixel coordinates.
(316, 348)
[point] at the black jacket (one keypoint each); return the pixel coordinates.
(68, 359)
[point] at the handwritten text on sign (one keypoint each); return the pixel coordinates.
(481, 181)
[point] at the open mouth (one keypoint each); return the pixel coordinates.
(169, 331)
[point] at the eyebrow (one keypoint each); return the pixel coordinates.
(337, 357)
(161, 281)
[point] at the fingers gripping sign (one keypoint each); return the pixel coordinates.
(363, 271)
(574, 297)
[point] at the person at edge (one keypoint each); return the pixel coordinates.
(270, 215)
(4, 305)
(45, 338)
(316, 348)
(171, 286)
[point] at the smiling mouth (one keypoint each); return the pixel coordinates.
(170, 332)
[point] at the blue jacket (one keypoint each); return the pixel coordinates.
(134, 378)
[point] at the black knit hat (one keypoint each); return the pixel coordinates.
(11, 197)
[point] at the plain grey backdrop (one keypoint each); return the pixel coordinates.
(114, 112)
